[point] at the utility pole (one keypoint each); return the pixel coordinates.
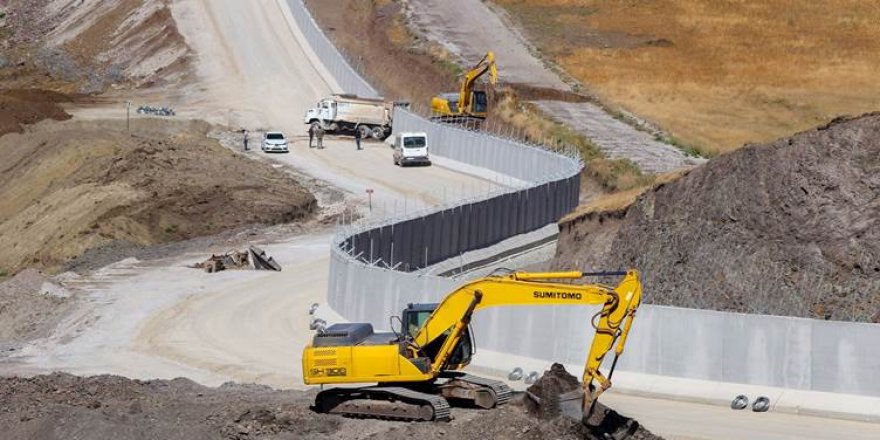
(128, 117)
(370, 198)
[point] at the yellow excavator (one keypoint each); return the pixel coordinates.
(467, 103)
(416, 369)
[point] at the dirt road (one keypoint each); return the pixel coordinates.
(162, 320)
(468, 28)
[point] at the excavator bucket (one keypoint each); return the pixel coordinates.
(571, 405)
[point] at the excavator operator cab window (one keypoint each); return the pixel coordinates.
(414, 317)
(481, 102)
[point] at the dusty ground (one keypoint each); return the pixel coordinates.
(789, 228)
(715, 75)
(21, 107)
(62, 406)
(31, 304)
(69, 187)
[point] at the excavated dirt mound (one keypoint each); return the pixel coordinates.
(30, 306)
(77, 185)
(789, 228)
(529, 421)
(20, 107)
(61, 406)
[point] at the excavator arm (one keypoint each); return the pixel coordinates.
(486, 64)
(619, 305)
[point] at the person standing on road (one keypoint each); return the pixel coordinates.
(311, 135)
(319, 133)
(245, 140)
(357, 137)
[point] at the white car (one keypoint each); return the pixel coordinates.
(411, 149)
(274, 142)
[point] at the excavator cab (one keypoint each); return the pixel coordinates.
(414, 317)
(480, 104)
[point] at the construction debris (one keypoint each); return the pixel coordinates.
(253, 259)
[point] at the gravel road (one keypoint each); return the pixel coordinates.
(617, 139)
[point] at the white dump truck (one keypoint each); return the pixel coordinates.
(343, 114)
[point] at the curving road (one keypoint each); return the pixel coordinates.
(162, 320)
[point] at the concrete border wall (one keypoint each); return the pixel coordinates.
(774, 351)
(552, 186)
(336, 63)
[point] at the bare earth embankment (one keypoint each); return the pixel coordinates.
(788, 228)
(70, 187)
(62, 406)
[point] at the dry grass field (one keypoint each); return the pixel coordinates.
(716, 73)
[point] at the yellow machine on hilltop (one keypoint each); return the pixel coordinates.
(467, 103)
(416, 369)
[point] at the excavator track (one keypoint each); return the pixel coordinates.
(503, 393)
(473, 386)
(380, 402)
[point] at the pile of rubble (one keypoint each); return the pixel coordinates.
(253, 258)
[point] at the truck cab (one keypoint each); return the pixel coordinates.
(324, 111)
(411, 148)
(345, 114)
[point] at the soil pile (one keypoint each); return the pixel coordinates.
(30, 306)
(789, 228)
(20, 107)
(69, 187)
(529, 421)
(543, 395)
(62, 406)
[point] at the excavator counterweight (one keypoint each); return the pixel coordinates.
(417, 369)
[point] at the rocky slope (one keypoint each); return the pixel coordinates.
(788, 228)
(90, 45)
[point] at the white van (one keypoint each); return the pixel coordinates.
(411, 148)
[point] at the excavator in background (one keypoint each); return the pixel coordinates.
(467, 103)
(416, 369)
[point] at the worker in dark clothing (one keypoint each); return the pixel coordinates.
(357, 137)
(319, 133)
(311, 135)
(245, 140)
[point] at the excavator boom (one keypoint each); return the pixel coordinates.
(614, 321)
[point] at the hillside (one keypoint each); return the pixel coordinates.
(715, 74)
(76, 46)
(77, 185)
(789, 228)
